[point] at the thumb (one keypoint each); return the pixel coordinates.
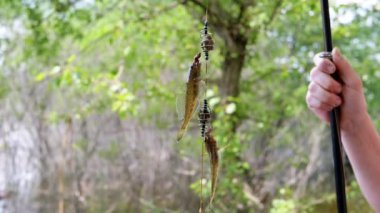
(345, 71)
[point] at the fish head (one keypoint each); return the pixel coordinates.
(196, 63)
(195, 69)
(208, 132)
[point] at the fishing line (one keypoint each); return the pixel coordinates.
(202, 175)
(203, 122)
(206, 52)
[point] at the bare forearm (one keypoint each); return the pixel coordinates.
(362, 145)
(359, 136)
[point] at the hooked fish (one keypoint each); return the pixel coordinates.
(192, 94)
(212, 150)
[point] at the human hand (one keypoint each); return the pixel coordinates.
(325, 93)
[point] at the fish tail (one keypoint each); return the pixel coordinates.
(180, 134)
(214, 178)
(212, 149)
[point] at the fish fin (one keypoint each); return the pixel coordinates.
(202, 89)
(181, 102)
(214, 179)
(197, 106)
(205, 75)
(180, 106)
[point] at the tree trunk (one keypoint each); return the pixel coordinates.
(232, 68)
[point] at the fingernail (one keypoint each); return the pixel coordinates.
(330, 68)
(336, 54)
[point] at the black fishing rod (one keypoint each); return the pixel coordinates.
(334, 118)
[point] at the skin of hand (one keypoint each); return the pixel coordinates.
(325, 93)
(360, 138)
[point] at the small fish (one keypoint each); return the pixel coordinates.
(212, 150)
(192, 94)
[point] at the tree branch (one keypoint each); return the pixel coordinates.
(211, 13)
(274, 13)
(158, 12)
